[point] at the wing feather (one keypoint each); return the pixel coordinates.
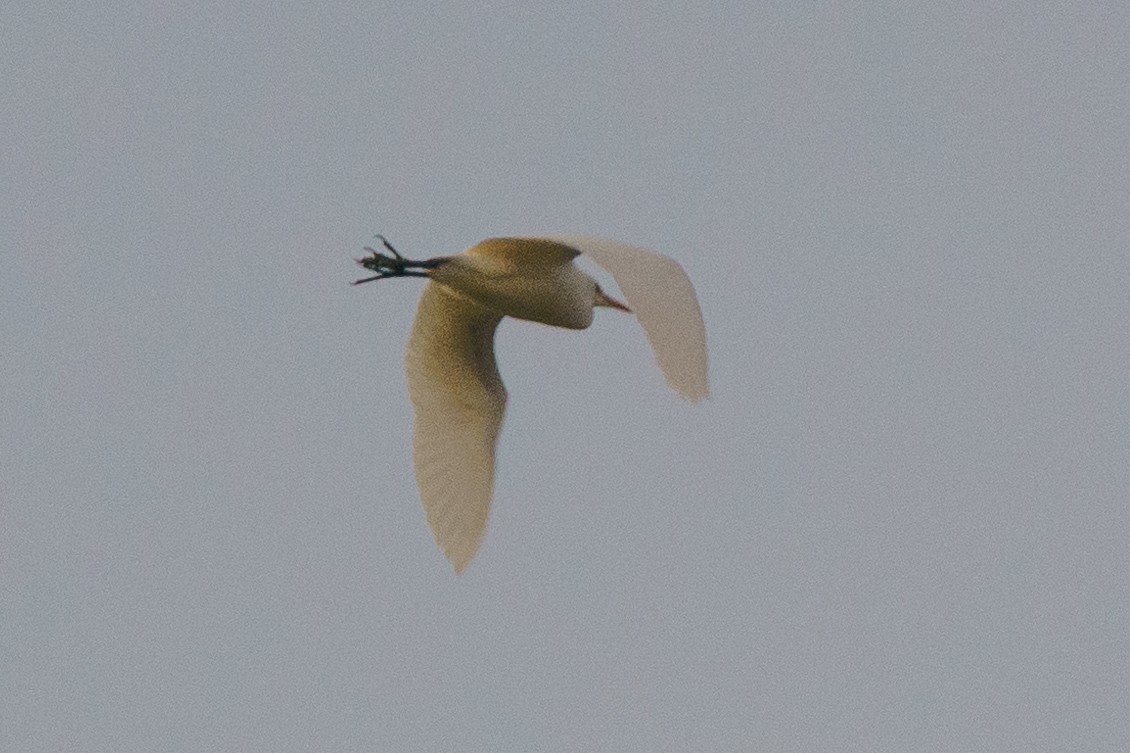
(459, 401)
(661, 296)
(524, 253)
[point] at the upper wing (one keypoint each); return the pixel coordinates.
(525, 252)
(663, 300)
(459, 400)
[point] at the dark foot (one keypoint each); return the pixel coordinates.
(396, 265)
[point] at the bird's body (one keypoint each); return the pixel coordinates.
(529, 279)
(453, 379)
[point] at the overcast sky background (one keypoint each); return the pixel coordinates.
(900, 523)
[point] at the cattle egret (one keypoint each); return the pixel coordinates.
(453, 380)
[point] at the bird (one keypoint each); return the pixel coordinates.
(453, 381)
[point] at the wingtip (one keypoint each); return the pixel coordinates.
(460, 560)
(695, 396)
(693, 389)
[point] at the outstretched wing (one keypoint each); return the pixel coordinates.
(663, 300)
(459, 401)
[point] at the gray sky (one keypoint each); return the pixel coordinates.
(900, 523)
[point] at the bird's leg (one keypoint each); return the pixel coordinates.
(386, 244)
(396, 265)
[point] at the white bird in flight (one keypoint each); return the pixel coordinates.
(453, 379)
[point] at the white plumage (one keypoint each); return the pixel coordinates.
(453, 379)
